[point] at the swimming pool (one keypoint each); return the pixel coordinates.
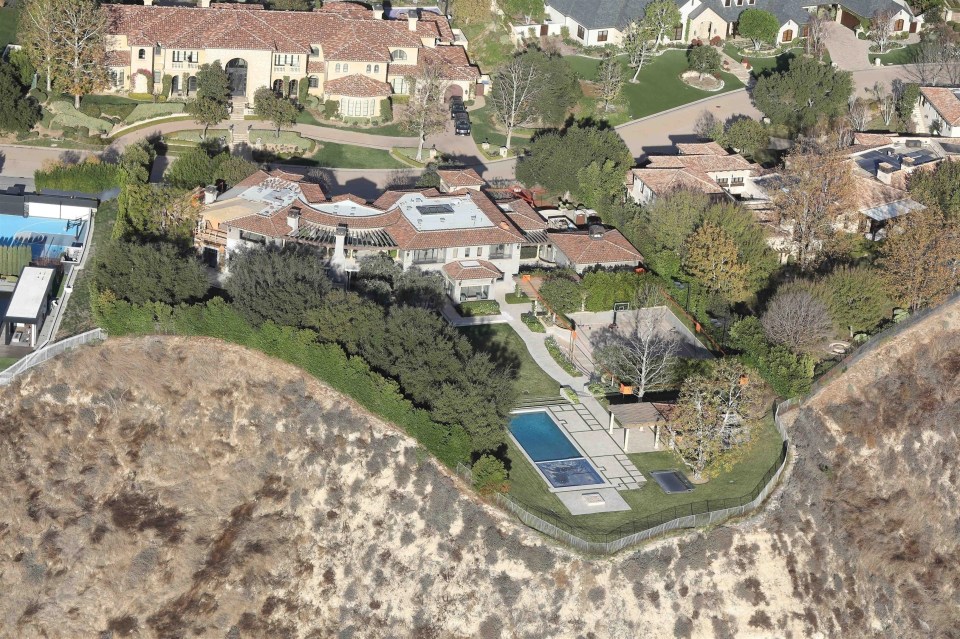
(47, 237)
(548, 447)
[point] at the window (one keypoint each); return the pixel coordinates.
(142, 54)
(479, 251)
(116, 78)
(338, 67)
(186, 56)
(736, 181)
(346, 67)
(314, 82)
(581, 33)
(427, 256)
(751, 1)
(369, 68)
(282, 60)
(466, 252)
(678, 33)
(602, 36)
(898, 25)
(252, 237)
(804, 31)
(157, 78)
(376, 68)
(726, 3)
(398, 55)
(314, 50)
(788, 35)
(739, 3)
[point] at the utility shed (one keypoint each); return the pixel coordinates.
(29, 305)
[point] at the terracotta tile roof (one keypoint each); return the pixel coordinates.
(315, 66)
(945, 101)
(705, 163)
(662, 181)
(358, 86)
(871, 139)
(273, 225)
(389, 198)
(384, 221)
(245, 6)
(472, 270)
(253, 179)
(583, 250)
(286, 175)
(312, 193)
(118, 58)
(348, 197)
(524, 216)
(455, 178)
(700, 148)
(452, 63)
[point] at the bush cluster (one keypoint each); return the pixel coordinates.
(85, 177)
(788, 373)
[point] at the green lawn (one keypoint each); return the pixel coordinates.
(506, 347)
(346, 156)
(77, 316)
(903, 55)
(489, 43)
(8, 25)
(482, 128)
(527, 487)
(658, 87)
(7, 362)
(393, 129)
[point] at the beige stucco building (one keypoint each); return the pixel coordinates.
(344, 52)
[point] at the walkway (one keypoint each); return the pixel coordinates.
(846, 50)
(737, 69)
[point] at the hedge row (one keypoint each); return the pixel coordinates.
(86, 177)
(327, 362)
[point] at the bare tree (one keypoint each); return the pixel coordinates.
(707, 125)
(425, 113)
(859, 114)
(80, 31)
(817, 189)
(639, 43)
(609, 81)
(886, 102)
(881, 28)
(38, 31)
(797, 319)
(516, 89)
(643, 355)
(816, 35)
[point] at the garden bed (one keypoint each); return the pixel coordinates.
(478, 308)
(704, 82)
(561, 358)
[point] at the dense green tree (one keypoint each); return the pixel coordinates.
(919, 258)
(348, 320)
(135, 162)
(563, 295)
(489, 475)
(712, 258)
(939, 188)
(744, 135)
(758, 25)
(191, 169)
(290, 5)
(213, 95)
(17, 111)
(151, 212)
(600, 184)
(277, 109)
(703, 59)
(857, 298)
(555, 157)
(789, 374)
(20, 61)
(154, 272)
(803, 94)
(277, 283)
(232, 168)
(750, 239)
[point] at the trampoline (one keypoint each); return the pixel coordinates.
(672, 481)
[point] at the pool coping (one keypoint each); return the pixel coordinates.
(582, 487)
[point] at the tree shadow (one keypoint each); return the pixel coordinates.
(71, 157)
(485, 339)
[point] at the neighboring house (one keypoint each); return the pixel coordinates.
(703, 167)
(344, 51)
(474, 241)
(28, 307)
(940, 110)
(600, 22)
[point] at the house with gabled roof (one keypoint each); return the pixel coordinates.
(344, 51)
(940, 110)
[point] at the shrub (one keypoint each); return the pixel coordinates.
(560, 357)
(490, 475)
(157, 272)
(68, 117)
(331, 109)
(303, 90)
(86, 177)
(38, 95)
(531, 321)
(562, 295)
(789, 374)
(478, 308)
(386, 110)
(716, 41)
(167, 85)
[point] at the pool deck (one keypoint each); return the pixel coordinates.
(601, 451)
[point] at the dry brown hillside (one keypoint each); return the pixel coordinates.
(167, 487)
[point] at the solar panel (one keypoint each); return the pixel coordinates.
(434, 209)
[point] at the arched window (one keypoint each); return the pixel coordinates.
(346, 67)
(788, 35)
(369, 68)
(398, 55)
(142, 54)
(338, 67)
(376, 68)
(278, 87)
(314, 82)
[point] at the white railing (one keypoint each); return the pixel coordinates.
(50, 351)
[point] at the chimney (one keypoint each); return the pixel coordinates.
(908, 161)
(293, 219)
(203, 4)
(377, 11)
(209, 193)
(412, 19)
(148, 3)
(884, 172)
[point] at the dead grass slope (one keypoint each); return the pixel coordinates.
(168, 487)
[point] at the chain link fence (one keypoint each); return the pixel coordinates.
(50, 351)
(692, 515)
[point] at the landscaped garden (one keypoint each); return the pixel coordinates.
(347, 156)
(901, 55)
(478, 308)
(761, 62)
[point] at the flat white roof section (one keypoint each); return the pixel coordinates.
(445, 213)
(30, 295)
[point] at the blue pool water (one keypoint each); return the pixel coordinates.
(541, 437)
(552, 451)
(46, 237)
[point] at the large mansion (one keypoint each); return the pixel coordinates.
(474, 239)
(599, 22)
(344, 52)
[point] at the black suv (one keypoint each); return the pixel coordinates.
(461, 125)
(456, 108)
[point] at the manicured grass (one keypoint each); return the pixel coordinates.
(478, 308)
(8, 25)
(483, 128)
(345, 156)
(903, 55)
(77, 316)
(393, 129)
(506, 347)
(528, 488)
(658, 87)
(7, 362)
(517, 298)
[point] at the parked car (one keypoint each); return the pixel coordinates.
(461, 125)
(455, 99)
(456, 109)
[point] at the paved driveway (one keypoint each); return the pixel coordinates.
(848, 51)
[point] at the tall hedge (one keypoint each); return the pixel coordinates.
(86, 177)
(14, 258)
